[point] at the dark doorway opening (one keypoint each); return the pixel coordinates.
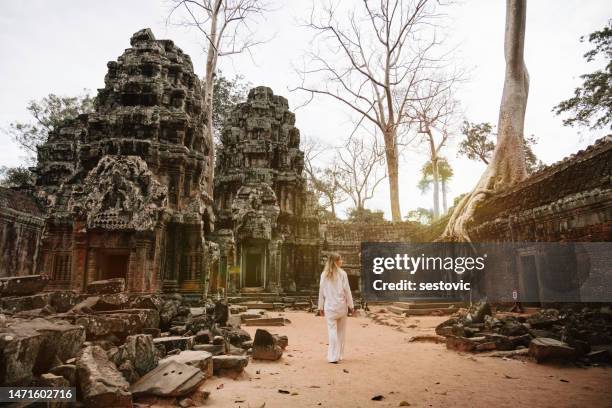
(114, 264)
(253, 277)
(529, 282)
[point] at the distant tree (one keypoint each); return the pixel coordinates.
(433, 110)
(368, 56)
(591, 104)
(478, 144)
(359, 166)
(421, 215)
(15, 176)
(365, 215)
(445, 173)
(227, 93)
(47, 114)
(323, 178)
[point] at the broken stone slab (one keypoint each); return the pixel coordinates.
(234, 336)
(433, 338)
(194, 358)
(463, 344)
(100, 383)
(53, 381)
(258, 305)
(543, 349)
(282, 340)
(22, 285)
(478, 312)
(32, 347)
(214, 349)
(237, 309)
(120, 323)
(171, 379)
(544, 319)
(229, 364)
(265, 346)
(271, 321)
(68, 371)
(150, 301)
(113, 301)
(203, 337)
(139, 349)
(175, 342)
(101, 287)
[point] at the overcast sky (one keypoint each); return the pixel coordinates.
(62, 47)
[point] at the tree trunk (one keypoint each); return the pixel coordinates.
(211, 68)
(391, 156)
(444, 202)
(436, 189)
(507, 166)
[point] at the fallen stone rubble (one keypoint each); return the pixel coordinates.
(582, 335)
(118, 348)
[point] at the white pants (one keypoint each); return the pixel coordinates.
(336, 333)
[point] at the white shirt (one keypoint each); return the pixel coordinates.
(335, 295)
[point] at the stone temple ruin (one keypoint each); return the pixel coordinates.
(263, 221)
(125, 188)
(123, 192)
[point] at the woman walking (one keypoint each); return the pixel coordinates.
(335, 303)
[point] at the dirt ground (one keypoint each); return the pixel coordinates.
(380, 361)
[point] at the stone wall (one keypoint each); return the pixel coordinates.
(21, 223)
(346, 238)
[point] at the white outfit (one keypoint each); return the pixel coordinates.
(335, 299)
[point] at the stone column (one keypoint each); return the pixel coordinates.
(79, 256)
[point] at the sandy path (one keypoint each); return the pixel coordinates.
(380, 360)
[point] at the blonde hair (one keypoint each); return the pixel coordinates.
(329, 271)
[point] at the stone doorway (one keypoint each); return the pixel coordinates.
(113, 264)
(529, 280)
(253, 268)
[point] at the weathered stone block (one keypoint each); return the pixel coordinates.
(22, 285)
(100, 383)
(116, 285)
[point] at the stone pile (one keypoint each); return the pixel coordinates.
(568, 334)
(117, 347)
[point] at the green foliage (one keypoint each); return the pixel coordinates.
(445, 172)
(15, 176)
(47, 114)
(365, 215)
(421, 215)
(227, 92)
(478, 144)
(591, 104)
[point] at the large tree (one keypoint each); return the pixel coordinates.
(368, 57)
(591, 104)
(47, 114)
(478, 144)
(226, 26)
(507, 165)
